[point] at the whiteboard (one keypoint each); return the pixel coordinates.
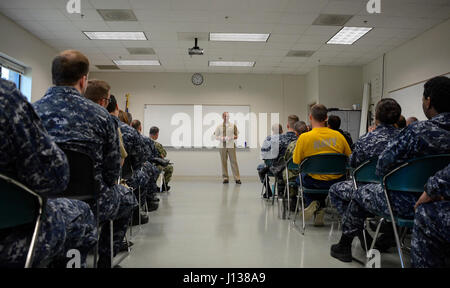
(194, 125)
(410, 99)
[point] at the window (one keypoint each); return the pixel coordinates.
(14, 72)
(11, 75)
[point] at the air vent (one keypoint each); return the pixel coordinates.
(331, 20)
(300, 53)
(107, 67)
(117, 14)
(141, 51)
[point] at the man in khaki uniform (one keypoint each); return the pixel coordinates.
(227, 133)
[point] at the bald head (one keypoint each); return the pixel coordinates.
(69, 68)
(225, 116)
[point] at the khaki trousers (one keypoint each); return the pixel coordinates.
(226, 153)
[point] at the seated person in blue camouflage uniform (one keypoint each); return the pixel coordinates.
(320, 140)
(430, 243)
(268, 154)
(29, 156)
(275, 150)
(76, 123)
(135, 140)
(368, 146)
(132, 171)
(420, 139)
(334, 122)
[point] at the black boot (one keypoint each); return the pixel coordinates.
(343, 250)
(144, 218)
(368, 241)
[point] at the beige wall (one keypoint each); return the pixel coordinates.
(29, 51)
(422, 58)
(340, 86)
(264, 93)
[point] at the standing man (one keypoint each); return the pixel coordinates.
(227, 133)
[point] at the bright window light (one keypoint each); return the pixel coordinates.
(349, 35)
(232, 63)
(244, 37)
(137, 62)
(116, 35)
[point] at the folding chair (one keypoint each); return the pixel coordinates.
(266, 181)
(410, 177)
(366, 174)
(321, 164)
(19, 206)
(292, 167)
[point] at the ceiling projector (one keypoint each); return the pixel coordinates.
(195, 50)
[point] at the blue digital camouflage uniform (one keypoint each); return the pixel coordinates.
(430, 137)
(368, 146)
(76, 123)
(30, 156)
(151, 169)
(274, 148)
(430, 242)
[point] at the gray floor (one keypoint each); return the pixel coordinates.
(203, 223)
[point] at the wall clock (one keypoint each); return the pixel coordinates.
(197, 79)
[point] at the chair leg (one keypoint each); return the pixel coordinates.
(275, 186)
(111, 242)
(377, 231)
(30, 254)
(296, 207)
(364, 236)
(394, 227)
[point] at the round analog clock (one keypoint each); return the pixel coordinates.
(197, 79)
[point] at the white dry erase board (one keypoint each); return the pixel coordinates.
(410, 99)
(193, 126)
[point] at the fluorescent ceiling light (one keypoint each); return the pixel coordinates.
(232, 63)
(116, 35)
(349, 35)
(244, 37)
(137, 62)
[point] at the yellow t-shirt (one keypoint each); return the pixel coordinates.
(319, 141)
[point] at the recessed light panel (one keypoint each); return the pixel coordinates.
(349, 35)
(231, 63)
(116, 35)
(242, 37)
(137, 62)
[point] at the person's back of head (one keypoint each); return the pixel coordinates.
(319, 115)
(334, 122)
(112, 107)
(70, 68)
(136, 124)
(277, 129)
(124, 117)
(411, 120)
(300, 127)
(98, 92)
(436, 98)
(130, 117)
(154, 132)
(388, 111)
(292, 119)
(401, 123)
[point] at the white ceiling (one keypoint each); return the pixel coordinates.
(288, 21)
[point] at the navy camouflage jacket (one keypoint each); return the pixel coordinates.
(150, 149)
(372, 144)
(28, 154)
(134, 145)
(420, 139)
(439, 184)
(76, 123)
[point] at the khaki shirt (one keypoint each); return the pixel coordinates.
(229, 130)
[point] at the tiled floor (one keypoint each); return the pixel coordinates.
(203, 223)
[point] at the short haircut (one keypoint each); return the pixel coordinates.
(97, 90)
(401, 123)
(319, 112)
(438, 90)
(136, 124)
(112, 106)
(277, 129)
(124, 117)
(292, 119)
(69, 67)
(300, 127)
(334, 122)
(388, 111)
(154, 130)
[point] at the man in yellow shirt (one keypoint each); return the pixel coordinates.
(319, 140)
